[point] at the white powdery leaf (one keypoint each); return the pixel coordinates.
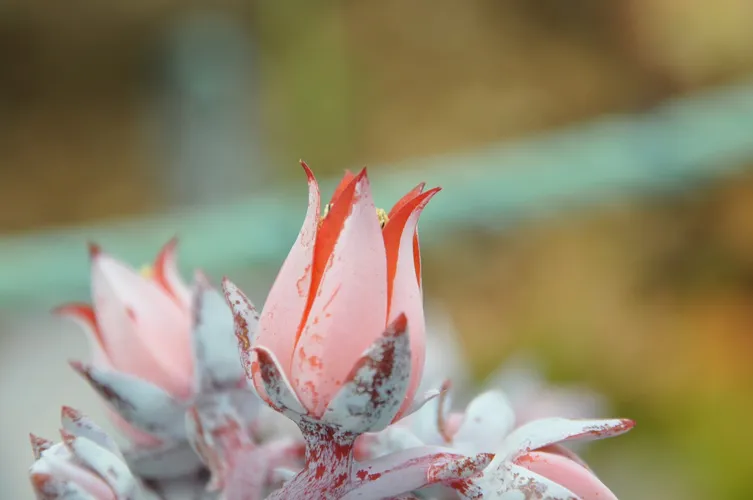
(215, 346)
(486, 423)
(548, 431)
(140, 403)
(373, 392)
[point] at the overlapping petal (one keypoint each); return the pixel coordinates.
(348, 308)
(139, 323)
(281, 317)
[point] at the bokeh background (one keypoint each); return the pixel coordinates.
(595, 156)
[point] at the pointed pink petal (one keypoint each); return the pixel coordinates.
(348, 177)
(281, 317)
(146, 332)
(83, 315)
(166, 274)
(403, 288)
(567, 473)
(376, 385)
(349, 309)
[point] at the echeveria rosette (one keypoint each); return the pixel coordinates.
(86, 465)
(160, 348)
(528, 460)
(340, 346)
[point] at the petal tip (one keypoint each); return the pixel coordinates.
(66, 412)
(79, 367)
(38, 444)
(94, 250)
(40, 480)
(68, 437)
(398, 327)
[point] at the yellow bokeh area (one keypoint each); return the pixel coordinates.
(649, 304)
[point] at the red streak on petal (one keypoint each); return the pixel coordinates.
(84, 313)
(392, 234)
(344, 183)
(326, 239)
(160, 275)
(407, 198)
(68, 412)
(94, 250)
(417, 258)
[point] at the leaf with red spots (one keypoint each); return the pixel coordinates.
(245, 319)
(547, 431)
(268, 375)
(412, 469)
(373, 392)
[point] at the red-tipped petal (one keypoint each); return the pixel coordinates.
(86, 318)
(407, 198)
(404, 292)
(280, 319)
(567, 473)
(348, 177)
(348, 310)
(327, 236)
(94, 249)
(146, 332)
(39, 445)
(166, 274)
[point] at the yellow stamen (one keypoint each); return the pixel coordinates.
(327, 208)
(382, 216)
(146, 271)
(380, 212)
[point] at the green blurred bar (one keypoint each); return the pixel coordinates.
(679, 144)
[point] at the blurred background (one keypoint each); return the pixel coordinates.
(597, 210)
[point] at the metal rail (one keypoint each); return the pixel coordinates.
(677, 145)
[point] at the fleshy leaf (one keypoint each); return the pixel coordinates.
(215, 348)
(547, 431)
(104, 463)
(486, 423)
(268, 375)
(80, 425)
(376, 386)
(140, 403)
(245, 319)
